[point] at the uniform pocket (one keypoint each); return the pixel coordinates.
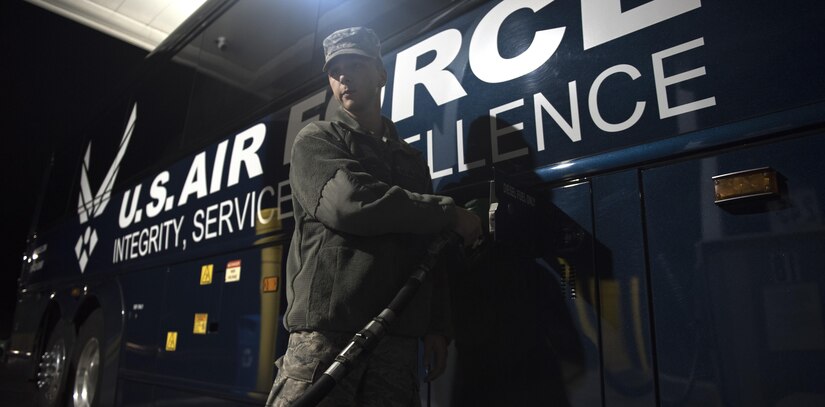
(298, 366)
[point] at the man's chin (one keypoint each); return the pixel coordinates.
(352, 107)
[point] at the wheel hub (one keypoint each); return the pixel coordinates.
(85, 383)
(51, 368)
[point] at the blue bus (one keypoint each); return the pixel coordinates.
(650, 172)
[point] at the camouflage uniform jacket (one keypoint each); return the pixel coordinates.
(364, 214)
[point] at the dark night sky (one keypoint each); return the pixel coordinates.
(55, 74)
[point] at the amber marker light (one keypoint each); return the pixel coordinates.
(760, 182)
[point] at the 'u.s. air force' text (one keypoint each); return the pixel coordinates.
(210, 219)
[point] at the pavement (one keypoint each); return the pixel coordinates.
(14, 392)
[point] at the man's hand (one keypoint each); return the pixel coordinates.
(468, 226)
(435, 355)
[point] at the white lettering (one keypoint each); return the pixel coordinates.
(248, 156)
(133, 244)
(572, 129)
(176, 224)
(217, 167)
(127, 212)
(149, 240)
(240, 215)
(154, 239)
(261, 219)
(592, 100)
(441, 84)
(210, 220)
(459, 138)
(430, 146)
(197, 220)
(604, 21)
(195, 180)
(143, 242)
(230, 216)
(485, 60)
(662, 81)
(283, 197)
(158, 192)
(223, 214)
(496, 132)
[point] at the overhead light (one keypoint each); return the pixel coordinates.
(143, 23)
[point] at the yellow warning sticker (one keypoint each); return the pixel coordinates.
(206, 274)
(200, 324)
(171, 341)
(233, 271)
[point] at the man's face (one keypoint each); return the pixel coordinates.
(356, 82)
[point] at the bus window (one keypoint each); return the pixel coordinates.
(161, 104)
(61, 179)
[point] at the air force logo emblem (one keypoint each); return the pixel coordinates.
(91, 206)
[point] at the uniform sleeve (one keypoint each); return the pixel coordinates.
(332, 186)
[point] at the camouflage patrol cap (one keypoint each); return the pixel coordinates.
(353, 40)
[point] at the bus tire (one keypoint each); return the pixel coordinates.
(87, 361)
(53, 366)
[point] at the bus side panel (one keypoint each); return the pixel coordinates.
(143, 294)
(525, 310)
(192, 308)
(28, 316)
(134, 394)
(110, 298)
(573, 216)
(623, 302)
(738, 290)
(36, 313)
(223, 312)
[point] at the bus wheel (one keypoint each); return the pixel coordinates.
(87, 362)
(52, 369)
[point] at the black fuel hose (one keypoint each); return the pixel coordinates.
(365, 341)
